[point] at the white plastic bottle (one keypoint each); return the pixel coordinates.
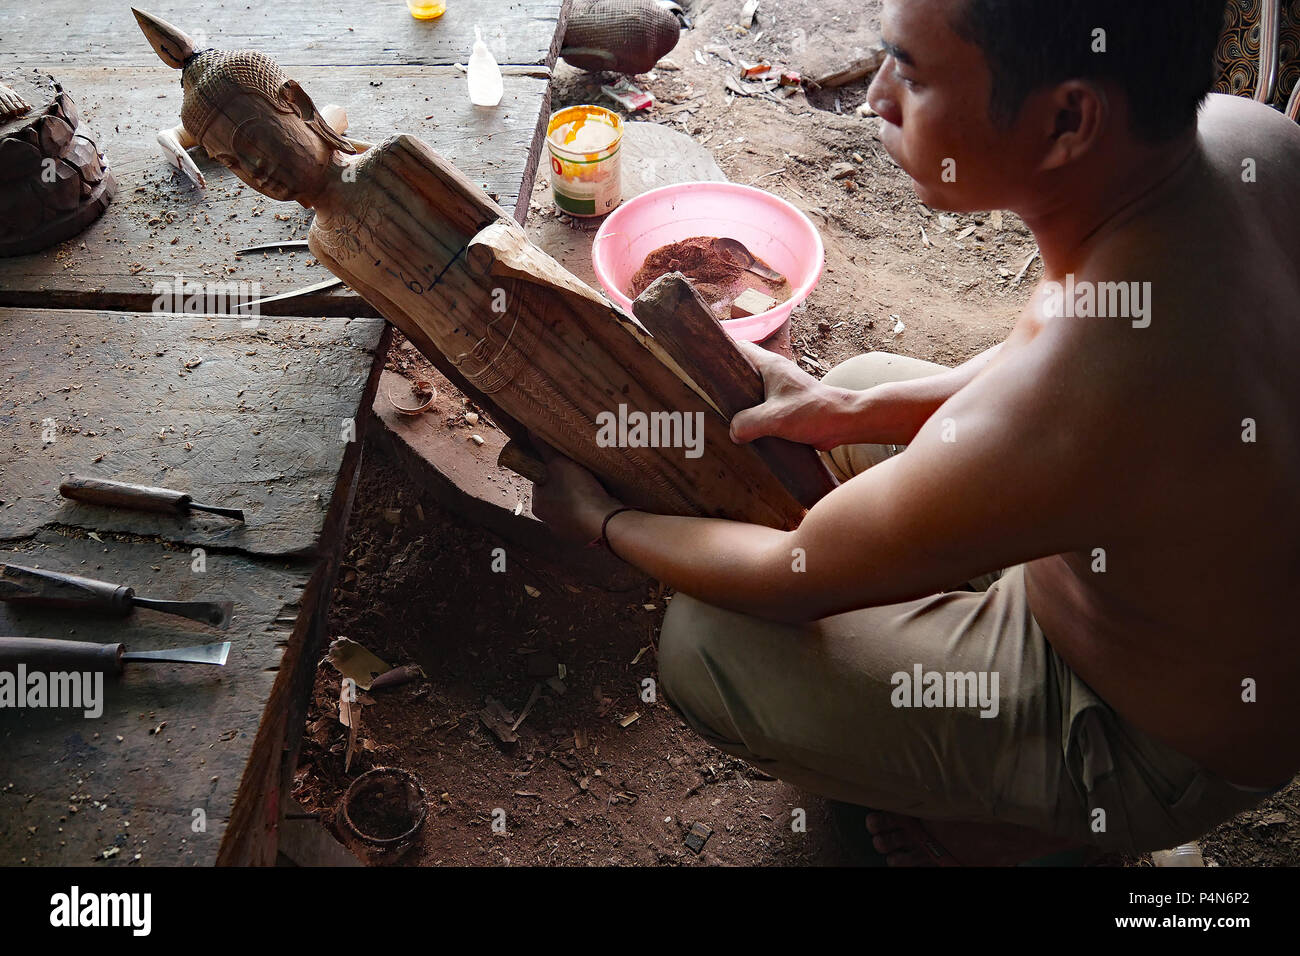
(485, 88)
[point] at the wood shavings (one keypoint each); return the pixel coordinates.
(498, 719)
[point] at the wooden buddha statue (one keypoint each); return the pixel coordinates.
(541, 351)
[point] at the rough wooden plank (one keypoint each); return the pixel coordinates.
(258, 424)
(186, 731)
(160, 226)
(253, 836)
(240, 787)
(337, 32)
(466, 479)
(686, 328)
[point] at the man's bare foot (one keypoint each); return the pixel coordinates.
(907, 841)
(904, 841)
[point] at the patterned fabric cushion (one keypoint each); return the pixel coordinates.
(1238, 54)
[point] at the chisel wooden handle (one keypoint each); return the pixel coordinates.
(42, 654)
(21, 585)
(120, 494)
(522, 463)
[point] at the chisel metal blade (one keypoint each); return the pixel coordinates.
(213, 613)
(235, 513)
(305, 290)
(200, 654)
(273, 246)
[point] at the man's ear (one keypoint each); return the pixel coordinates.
(1076, 116)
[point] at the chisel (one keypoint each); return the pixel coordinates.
(40, 653)
(41, 588)
(120, 494)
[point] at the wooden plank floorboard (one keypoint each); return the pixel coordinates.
(71, 787)
(53, 33)
(257, 424)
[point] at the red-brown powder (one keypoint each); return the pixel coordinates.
(694, 258)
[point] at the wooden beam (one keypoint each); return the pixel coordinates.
(340, 33)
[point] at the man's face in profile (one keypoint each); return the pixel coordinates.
(932, 94)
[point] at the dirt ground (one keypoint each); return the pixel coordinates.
(583, 784)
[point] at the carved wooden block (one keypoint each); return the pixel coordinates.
(53, 180)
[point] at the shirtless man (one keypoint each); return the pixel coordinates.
(1136, 474)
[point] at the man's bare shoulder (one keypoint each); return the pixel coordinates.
(1255, 152)
(1219, 245)
(1231, 126)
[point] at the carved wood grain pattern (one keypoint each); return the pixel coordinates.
(686, 327)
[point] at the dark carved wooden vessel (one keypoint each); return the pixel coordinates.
(53, 180)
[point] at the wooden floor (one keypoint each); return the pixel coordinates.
(187, 764)
(264, 423)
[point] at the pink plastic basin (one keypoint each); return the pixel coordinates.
(774, 231)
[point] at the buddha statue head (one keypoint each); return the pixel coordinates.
(248, 116)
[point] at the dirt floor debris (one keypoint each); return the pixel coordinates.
(397, 677)
(629, 96)
(852, 73)
(697, 836)
(499, 720)
(352, 660)
(528, 707)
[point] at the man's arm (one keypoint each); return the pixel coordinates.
(802, 409)
(910, 403)
(988, 482)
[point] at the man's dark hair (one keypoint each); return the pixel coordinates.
(1160, 52)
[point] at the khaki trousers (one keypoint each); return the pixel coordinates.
(835, 706)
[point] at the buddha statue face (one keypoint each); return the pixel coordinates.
(250, 117)
(280, 154)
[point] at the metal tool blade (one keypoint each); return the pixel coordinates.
(235, 513)
(214, 613)
(199, 654)
(273, 246)
(305, 290)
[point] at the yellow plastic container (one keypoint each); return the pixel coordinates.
(426, 9)
(584, 143)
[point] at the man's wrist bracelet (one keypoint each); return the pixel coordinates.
(603, 540)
